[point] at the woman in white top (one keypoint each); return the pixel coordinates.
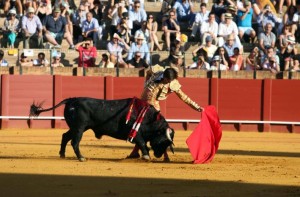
(116, 14)
(11, 28)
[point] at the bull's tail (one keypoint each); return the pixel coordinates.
(36, 109)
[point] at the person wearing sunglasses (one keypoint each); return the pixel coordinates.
(78, 17)
(87, 53)
(24, 61)
(11, 27)
(56, 61)
(137, 15)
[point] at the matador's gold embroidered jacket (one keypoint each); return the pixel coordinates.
(154, 92)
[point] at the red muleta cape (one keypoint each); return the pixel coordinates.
(204, 140)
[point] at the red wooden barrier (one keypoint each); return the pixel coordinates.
(235, 99)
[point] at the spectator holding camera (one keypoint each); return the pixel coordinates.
(270, 54)
(271, 65)
(266, 16)
(87, 53)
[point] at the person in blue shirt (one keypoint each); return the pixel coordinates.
(245, 21)
(184, 10)
(140, 46)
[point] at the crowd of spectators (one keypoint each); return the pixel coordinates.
(219, 26)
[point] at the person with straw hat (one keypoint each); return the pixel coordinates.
(140, 46)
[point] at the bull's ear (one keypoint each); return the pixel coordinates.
(168, 134)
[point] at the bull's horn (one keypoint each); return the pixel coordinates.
(171, 148)
(168, 134)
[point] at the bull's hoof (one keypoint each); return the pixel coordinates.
(167, 159)
(82, 159)
(133, 156)
(146, 157)
(62, 156)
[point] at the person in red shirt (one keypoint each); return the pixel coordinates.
(87, 53)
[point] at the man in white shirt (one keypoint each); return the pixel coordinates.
(231, 44)
(210, 28)
(199, 19)
(226, 28)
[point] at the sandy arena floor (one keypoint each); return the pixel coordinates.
(247, 164)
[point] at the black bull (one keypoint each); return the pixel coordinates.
(108, 117)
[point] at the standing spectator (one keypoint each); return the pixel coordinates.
(11, 28)
(184, 11)
(105, 62)
(245, 21)
(288, 51)
(3, 62)
(41, 61)
(166, 7)
(78, 17)
(266, 39)
(230, 45)
(91, 28)
(236, 60)
(87, 53)
(137, 61)
(115, 48)
(252, 62)
(210, 28)
(56, 61)
(171, 29)
(140, 46)
(152, 27)
(228, 28)
(137, 15)
(200, 18)
(55, 27)
(32, 29)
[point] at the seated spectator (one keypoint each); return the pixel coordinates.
(228, 28)
(43, 9)
(55, 27)
(200, 64)
(288, 51)
(116, 14)
(224, 57)
(177, 60)
(266, 39)
(291, 18)
(230, 45)
(233, 11)
(87, 53)
(286, 31)
(270, 54)
(271, 65)
(131, 3)
(56, 61)
(220, 7)
(98, 12)
(288, 4)
(124, 34)
(24, 61)
(66, 12)
(200, 18)
(11, 28)
(210, 28)
(217, 65)
(13, 4)
(236, 60)
(115, 48)
(295, 63)
(166, 7)
(105, 62)
(171, 29)
(126, 21)
(152, 27)
(137, 61)
(146, 33)
(209, 48)
(252, 61)
(176, 48)
(245, 21)
(78, 17)
(3, 62)
(32, 29)
(41, 61)
(137, 15)
(184, 11)
(266, 16)
(140, 46)
(91, 28)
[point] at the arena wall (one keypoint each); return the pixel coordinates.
(235, 99)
